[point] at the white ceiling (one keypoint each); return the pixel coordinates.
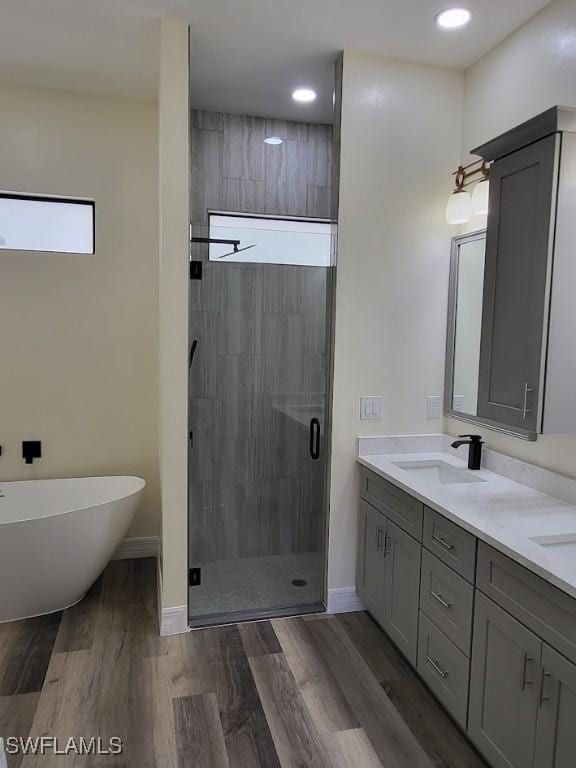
(247, 55)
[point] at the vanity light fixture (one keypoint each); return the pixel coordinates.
(273, 140)
(480, 198)
(453, 18)
(459, 207)
(304, 95)
(461, 204)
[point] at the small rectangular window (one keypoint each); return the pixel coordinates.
(270, 240)
(36, 223)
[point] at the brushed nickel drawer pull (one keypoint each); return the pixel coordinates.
(525, 660)
(436, 667)
(386, 540)
(541, 697)
(443, 542)
(440, 599)
(525, 408)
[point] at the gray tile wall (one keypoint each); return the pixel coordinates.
(261, 332)
(232, 168)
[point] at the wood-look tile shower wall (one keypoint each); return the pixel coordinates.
(261, 332)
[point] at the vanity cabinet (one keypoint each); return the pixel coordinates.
(493, 641)
(370, 571)
(527, 365)
(503, 687)
(555, 740)
(388, 565)
(401, 589)
(522, 694)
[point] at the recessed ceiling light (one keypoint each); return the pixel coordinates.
(453, 18)
(273, 140)
(304, 95)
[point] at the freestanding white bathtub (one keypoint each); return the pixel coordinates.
(56, 538)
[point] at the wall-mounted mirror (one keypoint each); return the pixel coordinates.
(464, 324)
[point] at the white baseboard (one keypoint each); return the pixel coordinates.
(344, 600)
(139, 546)
(174, 621)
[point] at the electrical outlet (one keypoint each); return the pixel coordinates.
(433, 407)
(371, 408)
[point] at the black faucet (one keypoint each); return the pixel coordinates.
(474, 451)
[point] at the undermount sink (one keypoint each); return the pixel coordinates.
(438, 472)
(564, 541)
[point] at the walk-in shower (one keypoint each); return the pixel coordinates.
(261, 278)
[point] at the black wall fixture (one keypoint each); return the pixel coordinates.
(31, 449)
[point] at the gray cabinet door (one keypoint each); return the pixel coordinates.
(402, 589)
(371, 566)
(503, 687)
(518, 240)
(556, 730)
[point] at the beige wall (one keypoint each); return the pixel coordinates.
(401, 133)
(174, 215)
(78, 334)
(532, 70)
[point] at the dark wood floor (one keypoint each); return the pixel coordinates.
(300, 693)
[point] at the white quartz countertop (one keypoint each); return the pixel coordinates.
(500, 511)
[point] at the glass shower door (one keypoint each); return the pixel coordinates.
(259, 346)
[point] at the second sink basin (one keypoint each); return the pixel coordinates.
(438, 472)
(563, 540)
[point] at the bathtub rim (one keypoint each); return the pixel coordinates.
(76, 509)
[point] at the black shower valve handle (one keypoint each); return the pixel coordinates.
(31, 449)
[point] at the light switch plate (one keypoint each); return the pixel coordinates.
(458, 403)
(371, 408)
(433, 407)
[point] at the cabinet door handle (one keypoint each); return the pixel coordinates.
(386, 540)
(443, 542)
(440, 599)
(436, 667)
(525, 660)
(541, 697)
(379, 545)
(525, 408)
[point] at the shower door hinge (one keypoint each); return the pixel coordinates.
(195, 270)
(194, 577)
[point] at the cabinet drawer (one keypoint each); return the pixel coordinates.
(547, 611)
(444, 669)
(452, 544)
(403, 509)
(447, 599)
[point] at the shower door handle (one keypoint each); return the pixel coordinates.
(314, 438)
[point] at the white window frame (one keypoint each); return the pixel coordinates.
(56, 199)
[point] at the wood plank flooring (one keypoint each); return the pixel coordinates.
(314, 692)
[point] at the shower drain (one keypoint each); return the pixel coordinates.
(299, 582)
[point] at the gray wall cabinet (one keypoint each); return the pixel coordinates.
(515, 284)
(512, 687)
(527, 366)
